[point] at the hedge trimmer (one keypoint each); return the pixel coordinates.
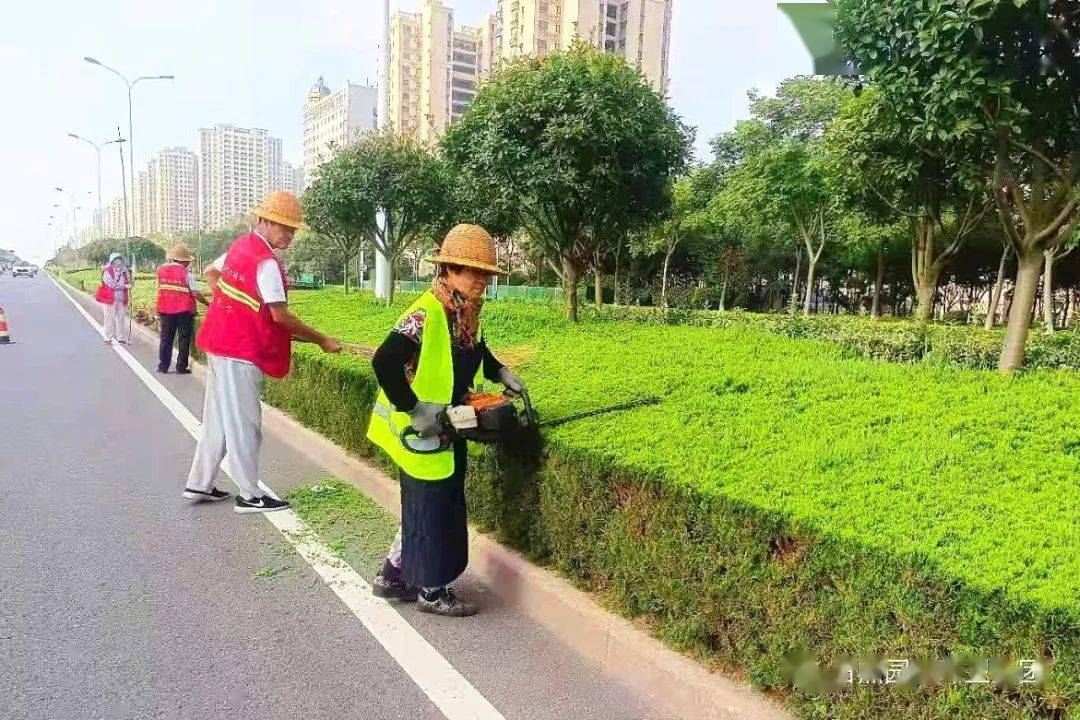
(491, 419)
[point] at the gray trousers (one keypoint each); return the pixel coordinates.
(231, 427)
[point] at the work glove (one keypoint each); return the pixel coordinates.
(425, 419)
(513, 384)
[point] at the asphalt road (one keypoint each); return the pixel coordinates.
(118, 599)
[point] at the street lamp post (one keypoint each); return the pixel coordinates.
(131, 124)
(97, 149)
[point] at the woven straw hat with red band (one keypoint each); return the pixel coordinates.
(282, 208)
(179, 253)
(469, 246)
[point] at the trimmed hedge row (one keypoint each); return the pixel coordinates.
(890, 339)
(782, 495)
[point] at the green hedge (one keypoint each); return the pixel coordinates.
(783, 494)
(890, 339)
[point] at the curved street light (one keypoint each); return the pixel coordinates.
(131, 125)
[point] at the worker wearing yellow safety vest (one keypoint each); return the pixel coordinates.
(425, 366)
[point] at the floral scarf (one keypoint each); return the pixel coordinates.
(463, 313)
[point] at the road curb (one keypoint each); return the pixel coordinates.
(684, 687)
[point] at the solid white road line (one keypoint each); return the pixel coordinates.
(455, 696)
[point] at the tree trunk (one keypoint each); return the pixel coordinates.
(598, 282)
(811, 267)
(875, 309)
(723, 290)
(618, 253)
(570, 287)
(795, 280)
(1023, 300)
(345, 273)
(663, 283)
(1048, 290)
(925, 270)
(995, 294)
(391, 270)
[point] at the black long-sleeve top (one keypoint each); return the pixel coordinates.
(397, 357)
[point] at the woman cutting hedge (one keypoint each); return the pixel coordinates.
(426, 364)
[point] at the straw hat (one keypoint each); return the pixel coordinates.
(179, 253)
(469, 246)
(282, 208)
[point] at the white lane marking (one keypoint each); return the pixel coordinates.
(455, 696)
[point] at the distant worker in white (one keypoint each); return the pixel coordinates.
(113, 295)
(248, 332)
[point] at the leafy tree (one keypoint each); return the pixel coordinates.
(1002, 78)
(685, 222)
(941, 191)
(575, 147)
(339, 216)
(382, 172)
(777, 180)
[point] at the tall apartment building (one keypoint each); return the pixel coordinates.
(176, 187)
(433, 70)
(144, 197)
(637, 30)
(334, 120)
(237, 168)
(292, 178)
(403, 75)
(112, 220)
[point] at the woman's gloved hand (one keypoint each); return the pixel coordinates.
(513, 384)
(425, 419)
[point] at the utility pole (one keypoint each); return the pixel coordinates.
(382, 263)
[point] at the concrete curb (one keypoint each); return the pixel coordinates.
(685, 688)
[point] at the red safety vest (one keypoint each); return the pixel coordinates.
(105, 294)
(173, 293)
(238, 323)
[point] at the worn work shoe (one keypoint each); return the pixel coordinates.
(183, 371)
(391, 588)
(262, 504)
(444, 602)
(214, 494)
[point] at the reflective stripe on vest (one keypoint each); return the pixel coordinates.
(175, 288)
(238, 295)
(433, 382)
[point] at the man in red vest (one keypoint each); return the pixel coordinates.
(247, 333)
(176, 298)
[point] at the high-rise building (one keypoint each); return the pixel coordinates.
(465, 70)
(237, 168)
(112, 222)
(332, 121)
(292, 178)
(144, 197)
(433, 70)
(637, 30)
(403, 75)
(177, 191)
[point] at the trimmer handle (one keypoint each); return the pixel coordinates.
(446, 439)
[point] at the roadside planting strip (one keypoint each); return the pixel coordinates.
(455, 696)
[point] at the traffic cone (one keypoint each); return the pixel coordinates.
(4, 337)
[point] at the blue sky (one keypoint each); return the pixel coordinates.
(250, 63)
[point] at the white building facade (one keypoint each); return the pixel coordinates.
(237, 168)
(333, 120)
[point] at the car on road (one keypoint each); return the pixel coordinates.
(23, 270)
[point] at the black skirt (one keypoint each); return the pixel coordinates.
(434, 526)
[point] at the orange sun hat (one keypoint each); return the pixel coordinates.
(283, 208)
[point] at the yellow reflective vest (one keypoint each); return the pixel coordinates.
(434, 383)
